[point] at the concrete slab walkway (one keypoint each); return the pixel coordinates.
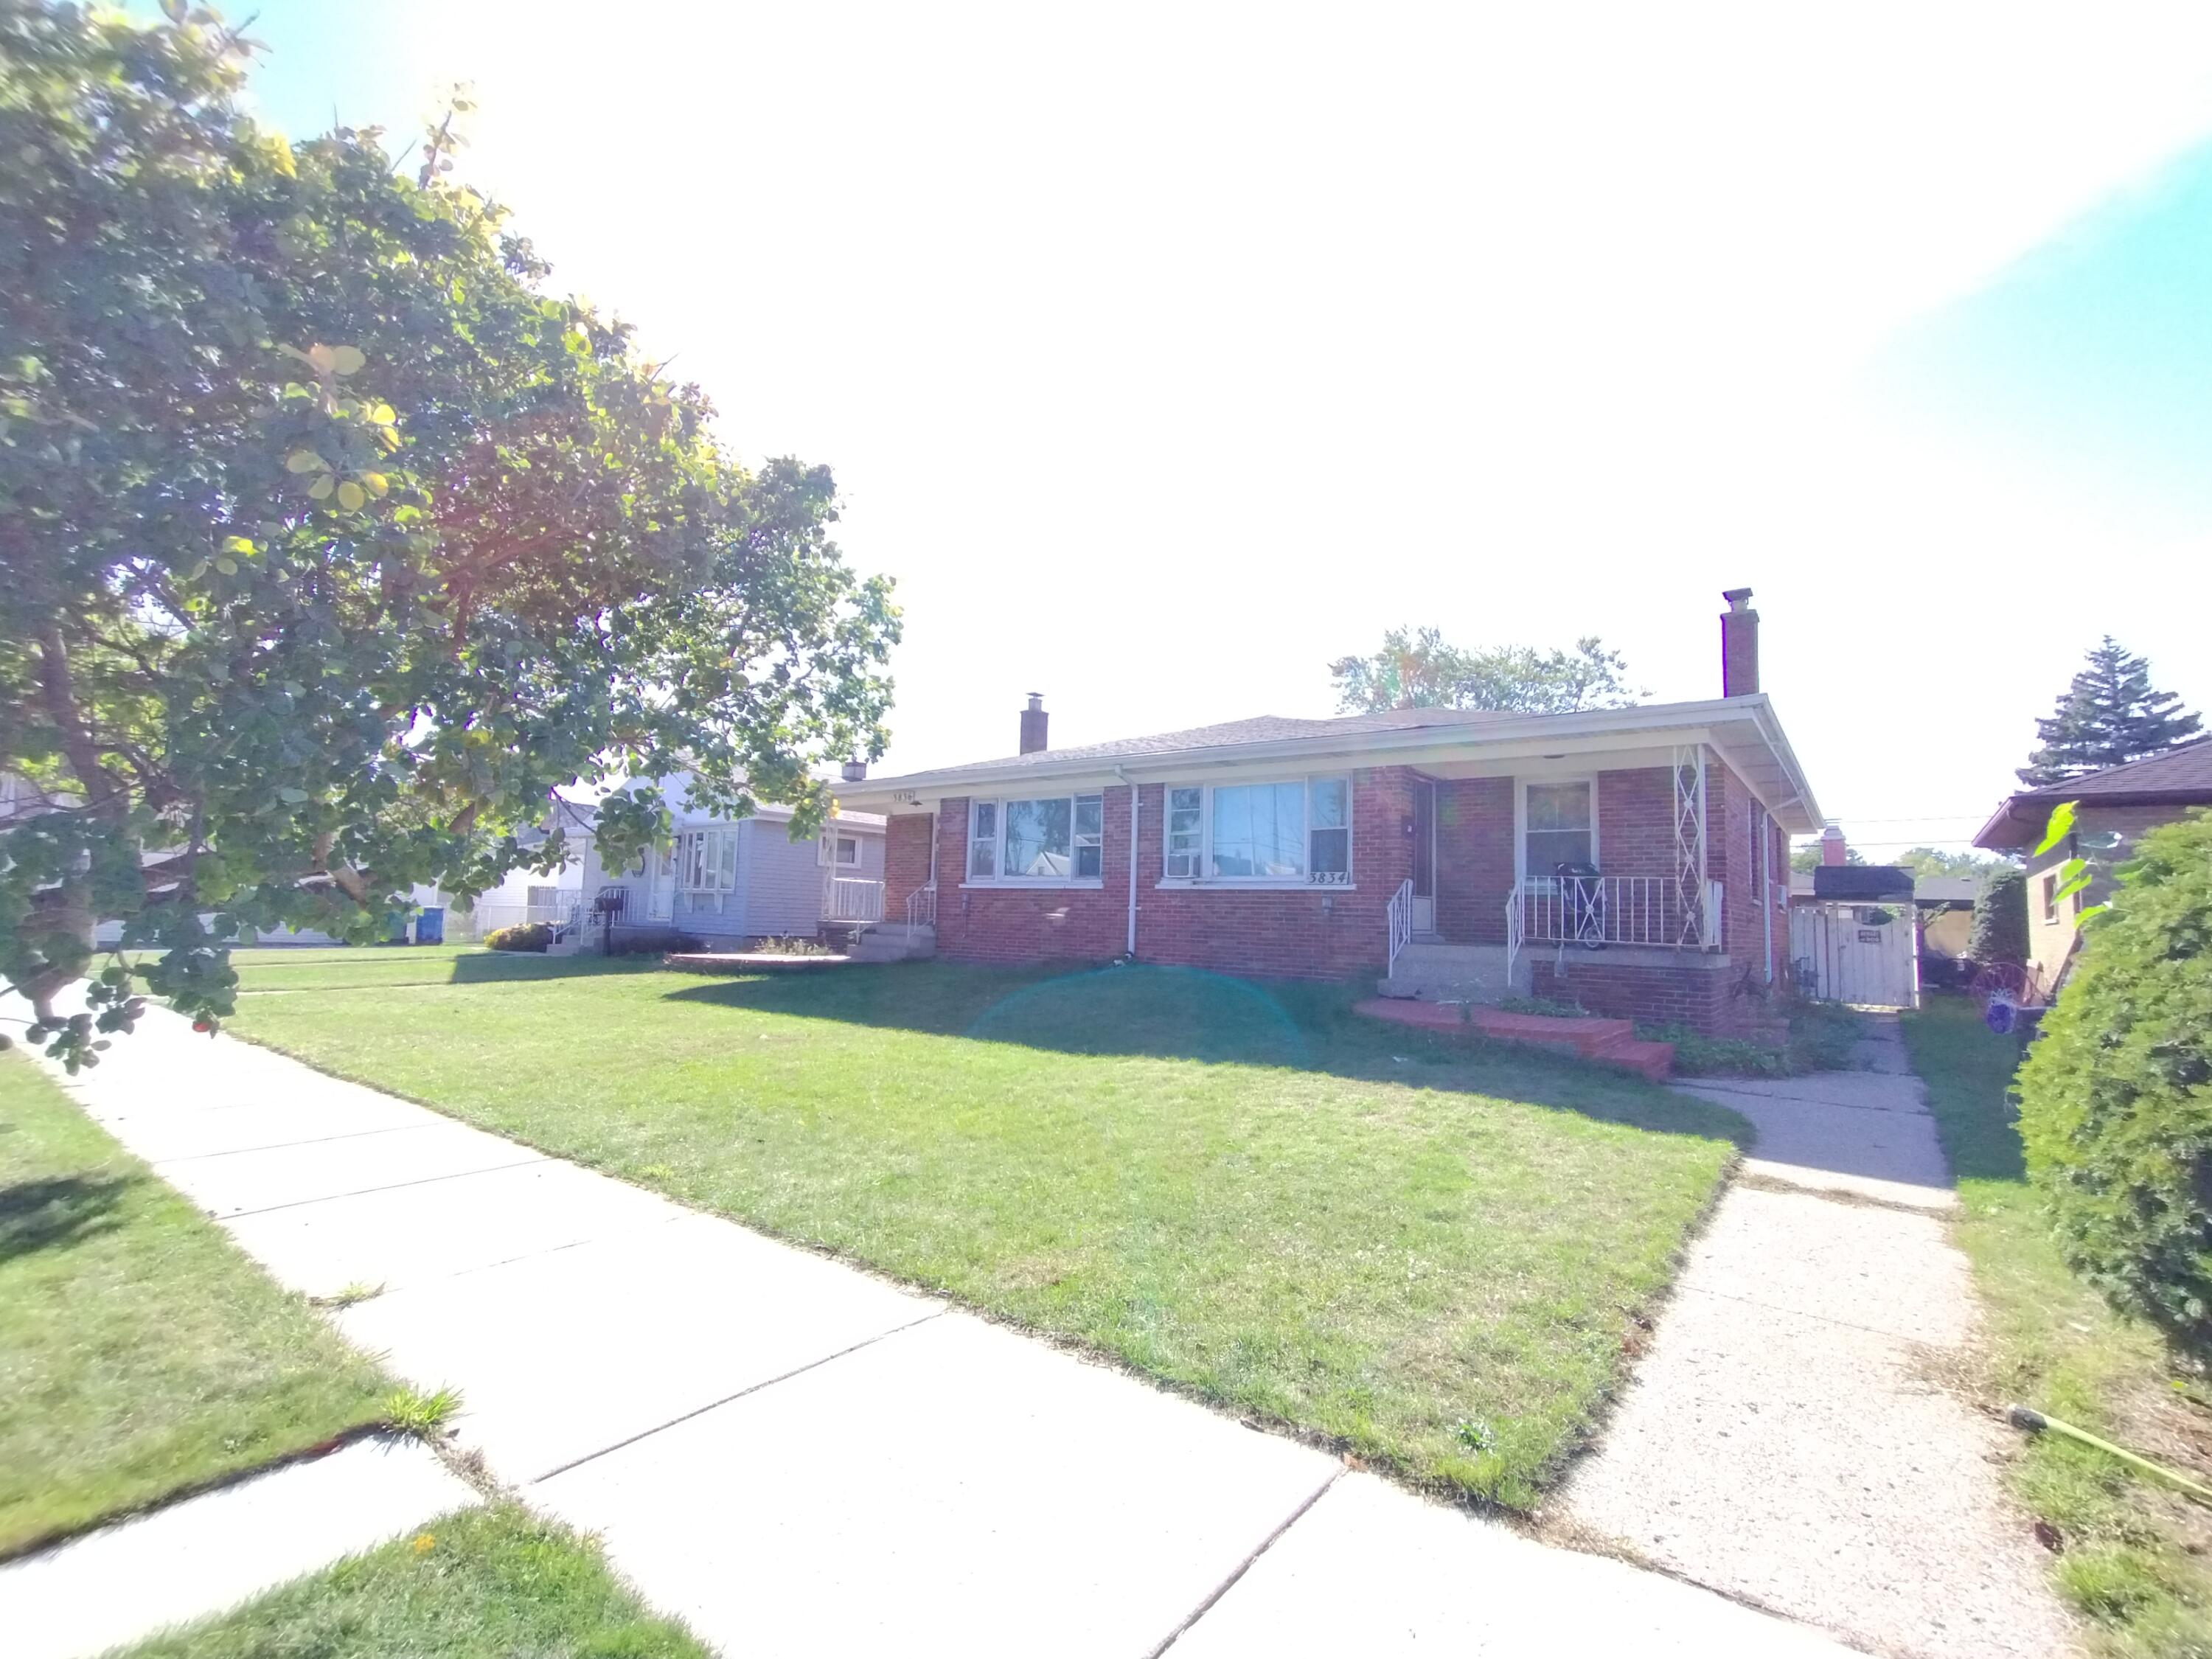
(1785, 1439)
(124, 1583)
(796, 1456)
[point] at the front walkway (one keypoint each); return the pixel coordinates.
(1789, 1439)
(796, 1456)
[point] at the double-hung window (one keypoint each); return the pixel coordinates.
(1560, 827)
(1262, 833)
(1050, 840)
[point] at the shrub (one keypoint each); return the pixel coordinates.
(527, 936)
(2000, 929)
(2116, 1098)
(795, 945)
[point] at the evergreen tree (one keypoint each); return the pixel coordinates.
(2109, 715)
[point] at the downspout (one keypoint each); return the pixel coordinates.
(1132, 788)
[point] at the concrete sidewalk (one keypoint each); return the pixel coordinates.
(1786, 1440)
(796, 1456)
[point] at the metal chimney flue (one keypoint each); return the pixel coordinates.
(1739, 645)
(1033, 724)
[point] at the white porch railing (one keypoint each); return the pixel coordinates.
(852, 898)
(1401, 922)
(921, 906)
(1594, 910)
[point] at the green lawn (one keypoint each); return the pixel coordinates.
(479, 1583)
(1431, 1253)
(2132, 1556)
(140, 1352)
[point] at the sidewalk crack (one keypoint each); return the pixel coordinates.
(1245, 1565)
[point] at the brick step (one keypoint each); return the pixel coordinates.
(1609, 1042)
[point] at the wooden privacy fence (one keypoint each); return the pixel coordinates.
(1858, 953)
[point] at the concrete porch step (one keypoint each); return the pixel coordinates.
(1609, 1042)
(1432, 971)
(894, 941)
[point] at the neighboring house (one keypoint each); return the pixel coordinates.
(2118, 804)
(718, 880)
(1634, 860)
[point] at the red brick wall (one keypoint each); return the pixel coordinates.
(1315, 932)
(1733, 823)
(1636, 823)
(906, 860)
(1697, 989)
(1033, 924)
(1475, 858)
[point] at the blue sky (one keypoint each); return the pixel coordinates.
(2092, 352)
(1165, 355)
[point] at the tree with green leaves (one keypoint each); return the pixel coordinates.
(1416, 669)
(1936, 861)
(2111, 713)
(332, 541)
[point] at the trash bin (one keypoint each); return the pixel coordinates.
(395, 927)
(430, 924)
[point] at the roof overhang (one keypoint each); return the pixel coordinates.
(2020, 823)
(1744, 731)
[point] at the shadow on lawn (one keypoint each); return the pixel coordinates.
(374, 970)
(41, 1215)
(1184, 1013)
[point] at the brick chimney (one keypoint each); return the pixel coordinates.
(1739, 645)
(1033, 720)
(1833, 848)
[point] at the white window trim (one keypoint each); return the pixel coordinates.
(1304, 883)
(831, 843)
(714, 863)
(1520, 823)
(1087, 883)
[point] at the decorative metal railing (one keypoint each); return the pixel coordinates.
(1401, 921)
(921, 906)
(1598, 911)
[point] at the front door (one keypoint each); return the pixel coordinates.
(1424, 855)
(659, 885)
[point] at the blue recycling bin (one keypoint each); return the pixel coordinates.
(430, 925)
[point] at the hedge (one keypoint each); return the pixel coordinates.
(526, 936)
(2000, 929)
(2115, 1097)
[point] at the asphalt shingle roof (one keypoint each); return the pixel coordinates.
(1261, 728)
(2185, 772)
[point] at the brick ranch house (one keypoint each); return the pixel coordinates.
(1634, 860)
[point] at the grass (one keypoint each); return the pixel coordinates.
(1370, 1234)
(2131, 1553)
(482, 1582)
(140, 1354)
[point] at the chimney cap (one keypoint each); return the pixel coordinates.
(1736, 597)
(1037, 700)
(855, 770)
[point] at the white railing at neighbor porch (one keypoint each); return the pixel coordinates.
(488, 917)
(852, 898)
(1595, 910)
(921, 907)
(1401, 922)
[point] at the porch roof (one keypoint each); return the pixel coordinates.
(1462, 742)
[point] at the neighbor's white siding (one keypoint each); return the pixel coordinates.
(784, 893)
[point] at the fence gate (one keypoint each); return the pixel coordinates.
(1858, 953)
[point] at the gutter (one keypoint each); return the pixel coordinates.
(1134, 839)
